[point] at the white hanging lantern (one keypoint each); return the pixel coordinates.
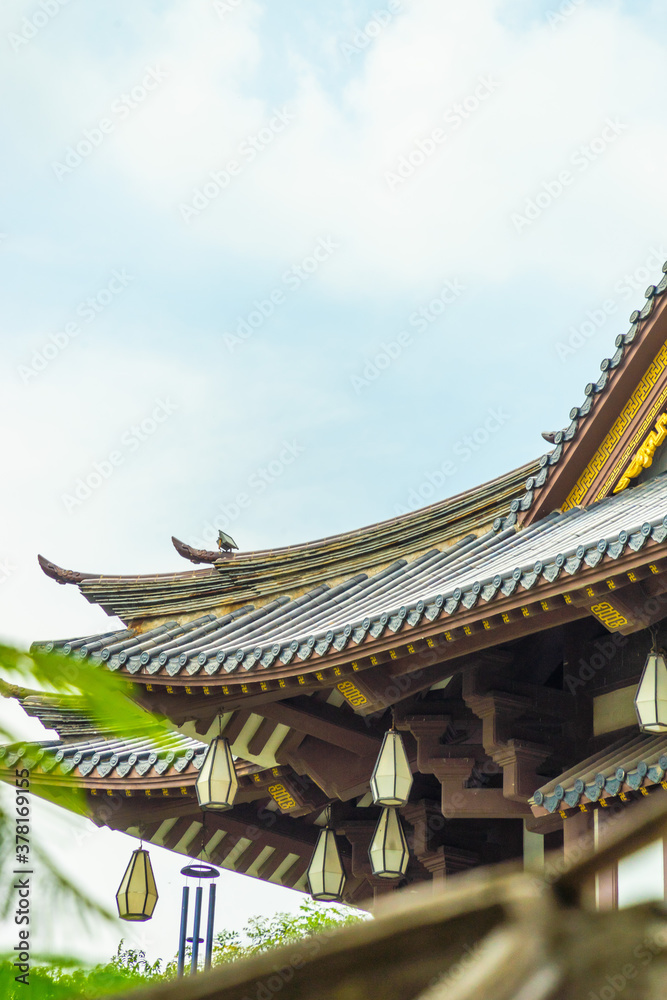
(389, 851)
(217, 783)
(137, 895)
(392, 778)
(326, 877)
(651, 697)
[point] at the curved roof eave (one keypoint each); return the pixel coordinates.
(260, 575)
(304, 634)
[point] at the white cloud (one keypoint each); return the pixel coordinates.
(326, 172)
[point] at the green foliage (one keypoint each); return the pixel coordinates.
(263, 933)
(61, 979)
(101, 697)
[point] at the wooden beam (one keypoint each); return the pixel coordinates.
(297, 870)
(178, 830)
(627, 609)
(250, 855)
(258, 741)
(453, 764)
(325, 722)
(339, 773)
(233, 729)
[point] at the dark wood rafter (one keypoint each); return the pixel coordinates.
(339, 773)
(324, 722)
(258, 741)
(179, 830)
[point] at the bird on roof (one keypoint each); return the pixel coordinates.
(225, 542)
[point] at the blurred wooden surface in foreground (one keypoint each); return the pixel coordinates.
(496, 934)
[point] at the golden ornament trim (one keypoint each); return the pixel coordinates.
(602, 455)
(643, 457)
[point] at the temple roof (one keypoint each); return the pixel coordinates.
(106, 757)
(297, 654)
(88, 750)
(66, 716)
(241, 577)
(632, 363)
(626, 765)
(607, 434)
(438, 583)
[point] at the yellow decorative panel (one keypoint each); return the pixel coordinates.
(643, 458)
(280, 795)
(609, 616)
(352, 694)
(632, 407)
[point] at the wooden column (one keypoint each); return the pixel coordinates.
(607, 881)
(578, 841)
(533, 850)
(436, 863)
(578, 836)
(382, 887)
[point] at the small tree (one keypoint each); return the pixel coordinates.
(261, 934)
(60, 979)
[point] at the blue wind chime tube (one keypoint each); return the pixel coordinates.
(195, 930)
(209, 926)
(184, 929)
(199, 872)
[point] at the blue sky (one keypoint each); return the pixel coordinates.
(421, 213)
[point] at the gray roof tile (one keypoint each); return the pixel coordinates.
(632, 761)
